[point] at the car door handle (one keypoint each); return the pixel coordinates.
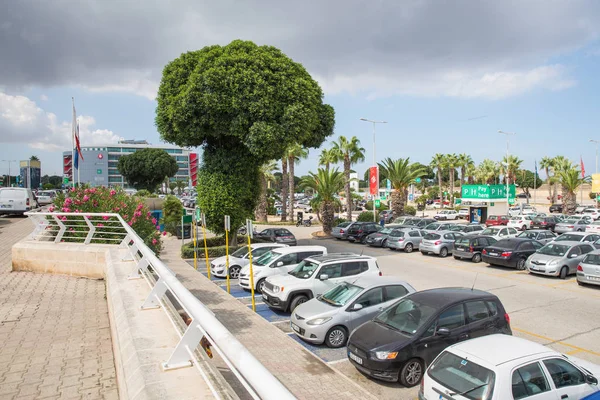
(564, 396)
(464, 336)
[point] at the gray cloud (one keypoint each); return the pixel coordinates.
(453, 48)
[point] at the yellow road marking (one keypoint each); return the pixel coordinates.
(577, 348)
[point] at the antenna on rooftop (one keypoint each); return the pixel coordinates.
(475, 280)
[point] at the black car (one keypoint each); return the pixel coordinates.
(557, 208)
(403, 340)
(359, 232)
(511, 252)
(470, 247)
(278, 235)
(379, 238)
(544, 223)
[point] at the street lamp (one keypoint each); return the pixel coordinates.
(508, 134)
(595, 141)
(374, 164)
(9, 162)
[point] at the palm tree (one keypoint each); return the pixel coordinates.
(180, 185)
(465, 163)
(327, 184)
(486, 172)
(401, 174)
(451, 164)
(34, 158)
(284, 187)
(327, 158)
(266, 176)
(561, 163)
(348, 152)
(438, 162)
(570, 179)
(172, 187)
(547, 163)
(514, 164)
(294, 153)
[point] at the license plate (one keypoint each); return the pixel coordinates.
(265, 297)
(460, 248)
(295, 327)
(493, 254)
(356, 358)
(593, 278)
(5, 206)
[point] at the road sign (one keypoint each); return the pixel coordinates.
(418, 180)
(227, 223)
(197, 211)
(249, 228)
(383, 197)
(410, 197)
(65, 180)
(377, 203)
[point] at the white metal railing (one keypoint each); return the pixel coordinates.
(83, 228)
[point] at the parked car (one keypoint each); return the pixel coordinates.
(572, 224)
(439, 226)
(446, 215)
(499, 232)
(592, 213)
(470, 247)
(359, 232)
(467, 228)
(239, 259)
(556, 208)
(499, 367)
(379, 238)
(423, 222)
(440, 242)
(341, 231)
(510, 253)
(593, 227)
(331, 317)
(16, 201)
(404, 220)
(45, 197)
(579, 209)
(463, 213)
(405, 239)
(278, 235)
(558, 258)
(588, 270)
(276, 262)
(398, 343)
(520, 222)
(578, 237)
(313, 277)
(388, 215)
(540, 222)
(541, 235)
(495, 220)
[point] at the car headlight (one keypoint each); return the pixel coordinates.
(552, 262)
(386, 355)
(318, 321)
(276, 289)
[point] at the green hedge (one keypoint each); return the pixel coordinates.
(220, 240)
(410, 210)
(187, 251)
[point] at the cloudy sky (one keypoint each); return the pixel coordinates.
(446, 75)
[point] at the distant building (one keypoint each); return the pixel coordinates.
(30, 174)
(354, 181)
(99, 165)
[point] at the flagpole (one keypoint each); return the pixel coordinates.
(78, 176)
(535, 184)
(73, 144)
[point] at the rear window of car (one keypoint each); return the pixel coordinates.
(593, 259)
(461, 375)
(432, 236)
(12, 194)
(568, 237)
(492, 217)
(463, 241)
(282, 232)
(343, 225)
(397, 233)
(507, 243)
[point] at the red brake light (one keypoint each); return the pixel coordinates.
(544, 223)
(438, 242)
(579, 268)
(380, 273)
(507, 318)
(570, 226)
(27, 203)
(484, 251)
(506, 253)
(359, 231)
(341, 231)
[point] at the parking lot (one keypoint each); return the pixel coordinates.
(554, 312)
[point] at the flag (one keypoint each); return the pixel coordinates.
(77, 145)
(373, 181)
(582, 167)
(76, 160)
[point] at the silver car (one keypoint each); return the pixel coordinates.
(558, 258)
(541, 235)
(588, 270)
(578, 237)
(439, 226)
(499, 232)
(405, 239)
(440, 242)
(341, 231)
(331, 317)
(239, 259)
(572, 224)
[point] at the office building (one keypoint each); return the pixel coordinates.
(99, 164)
(30, 174)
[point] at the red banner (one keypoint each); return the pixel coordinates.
(373, 181)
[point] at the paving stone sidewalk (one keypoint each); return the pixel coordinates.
(55, 340)
(300, 371)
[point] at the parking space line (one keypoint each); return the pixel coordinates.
(337, 361)
(556, 341)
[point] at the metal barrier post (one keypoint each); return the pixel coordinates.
(203, 219)
(227, 227)
(250, 233)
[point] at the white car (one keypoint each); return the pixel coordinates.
(276, 262)
(313, 277)
(446, 215)
(593, 227)
(239, 259)
(499, 367)
(16, 201)
(592, 213)
(520, 222)
(499, 232)
(463, 213)
(46, 197)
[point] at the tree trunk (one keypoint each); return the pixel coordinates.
(451, 186)
(570, 202)
(347, 189)
(291, 186)
(462, 177)
(284, 189)
(327, 214)
(260, 213)
(440, 185)
(397, 203)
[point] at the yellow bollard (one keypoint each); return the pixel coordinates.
(196, 247)
(251, 273)
(227, 258)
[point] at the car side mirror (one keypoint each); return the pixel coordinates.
(443, 332)
(357, 307)
(280, 264)
(323, 277)
(591, 379)
(572, 255)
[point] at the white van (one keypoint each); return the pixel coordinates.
(16, 201)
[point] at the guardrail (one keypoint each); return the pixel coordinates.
(109, 228)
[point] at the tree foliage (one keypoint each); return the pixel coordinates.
(327, 184)
(147, 168)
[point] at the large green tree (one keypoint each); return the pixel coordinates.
(528, 180)
(348, 152)
(147, 168)
(245, 105)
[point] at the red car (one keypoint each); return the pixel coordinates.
(495, 220)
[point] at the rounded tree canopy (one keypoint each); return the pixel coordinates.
(253, 95)
(147, 168)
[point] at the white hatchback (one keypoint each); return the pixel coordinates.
(499, 367)
(520, 222)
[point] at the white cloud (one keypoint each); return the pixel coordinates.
(22, 121)
(43, 97)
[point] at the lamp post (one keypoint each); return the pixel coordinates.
(374, 164)
(596, 142)
(9, 162)
(508, 134)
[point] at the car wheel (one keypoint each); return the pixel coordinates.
(384, 243)
(521, 264)
(408, 248)
(476, 258)
(563, 272)
(363, 240)
(523, 228)
(336, 337)
(260, 285)
(411, 373)
(297, 301)
(444, 252)
(234, 272)
(580, 283)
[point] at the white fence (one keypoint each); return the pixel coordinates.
(112, 229)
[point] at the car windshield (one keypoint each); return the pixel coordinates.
(305, 269)
(432, 236)
(406, 316)
(568, 237)
(571, 220)
(463, 242)
(457, 228)
(411, 222)
(593, 259)
(282, 232)
(45, 193)
(397, 233)
(553, 249)
(490, 231)
(528, 235)
(267, 258)
(432, 227)
(341, 294)
(241, 252)
(462, 376)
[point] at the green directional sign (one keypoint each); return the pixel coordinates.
(65, 180)
(377, 203)
(197, 213)
(186, 219)
(487, 192)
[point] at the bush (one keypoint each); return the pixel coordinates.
(593, 195)
(369, 206)
(410, 210)
(337, 221)
(365, 216)
(143, 193)
(187, 251)
(172, 213)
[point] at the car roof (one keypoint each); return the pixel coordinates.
(441, 297)
(298, 249)
(569, 243)
(259, 245)
(499, 349)
(338, 256)
(537, 230)
(577, 233)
